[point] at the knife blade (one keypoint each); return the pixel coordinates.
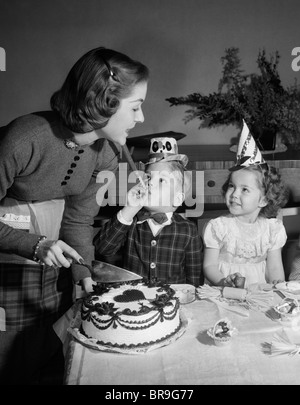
(132, 165)
(103, 272)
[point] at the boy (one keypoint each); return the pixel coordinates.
(166, 246)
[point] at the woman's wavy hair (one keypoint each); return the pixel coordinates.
(93, 89)
(271, 184)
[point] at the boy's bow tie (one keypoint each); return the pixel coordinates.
(159, 217)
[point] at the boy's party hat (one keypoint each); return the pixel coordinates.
(164, 150)
(248, 153)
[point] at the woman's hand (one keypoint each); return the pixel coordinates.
(56, 253)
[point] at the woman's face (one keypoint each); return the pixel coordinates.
(128, 114)
(244, 197)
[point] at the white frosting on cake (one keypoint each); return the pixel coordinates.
(131, 315)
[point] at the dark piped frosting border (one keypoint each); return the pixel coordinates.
(109, 308)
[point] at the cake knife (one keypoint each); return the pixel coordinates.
(132, 165)
(103, 272)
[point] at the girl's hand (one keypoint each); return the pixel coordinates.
(229, 281)
(56, 253)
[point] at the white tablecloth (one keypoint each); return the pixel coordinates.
(193, 359)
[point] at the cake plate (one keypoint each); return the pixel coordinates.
(91, 343)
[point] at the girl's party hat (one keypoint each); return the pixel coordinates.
(247, 153)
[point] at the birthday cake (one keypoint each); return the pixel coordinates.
(130, 315)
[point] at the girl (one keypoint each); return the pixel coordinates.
(248, 241)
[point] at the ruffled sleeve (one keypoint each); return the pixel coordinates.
(213, 233)
(278, 234)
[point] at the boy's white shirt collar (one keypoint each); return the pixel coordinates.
(154, 226)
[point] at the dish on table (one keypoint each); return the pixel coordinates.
(186, 293)
(289, 310)
(292, 287)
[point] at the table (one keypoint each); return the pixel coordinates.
(193, 359)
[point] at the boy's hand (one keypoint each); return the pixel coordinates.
(137, 196)
(136, 199)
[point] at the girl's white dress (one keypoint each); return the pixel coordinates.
(243, 246)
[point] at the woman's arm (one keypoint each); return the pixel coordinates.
(274, 269)
(80, 211)
(19, 159)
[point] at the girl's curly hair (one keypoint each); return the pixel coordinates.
(270, 182)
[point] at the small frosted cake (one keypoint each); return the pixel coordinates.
(130, 315)
(288, 310)
(222, 332)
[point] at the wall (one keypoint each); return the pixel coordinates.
(180, 40)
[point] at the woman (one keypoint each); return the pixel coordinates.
(49, 163)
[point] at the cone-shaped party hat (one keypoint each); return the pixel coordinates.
(248, 153)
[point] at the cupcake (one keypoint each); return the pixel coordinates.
(288, 310)
(222, 332)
